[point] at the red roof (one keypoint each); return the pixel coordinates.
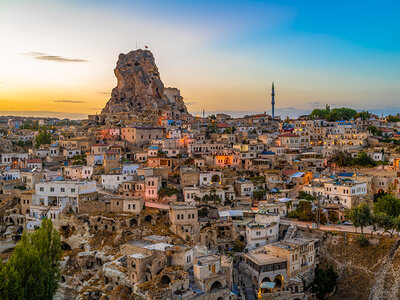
(288, 172)
(34, 161)
(222, 125)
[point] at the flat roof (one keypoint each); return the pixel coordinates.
(264, 259)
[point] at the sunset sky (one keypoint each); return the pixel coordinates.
(59, 56)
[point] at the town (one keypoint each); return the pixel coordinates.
(152, 202)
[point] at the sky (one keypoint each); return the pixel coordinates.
(57, 57)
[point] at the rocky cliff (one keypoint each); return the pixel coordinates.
(140, 90)
(372, 272)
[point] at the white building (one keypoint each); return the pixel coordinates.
(52, 197)
(112, 181)
(263, 230)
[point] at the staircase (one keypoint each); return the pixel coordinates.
(290, 233)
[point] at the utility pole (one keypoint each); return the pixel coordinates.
(318, 198)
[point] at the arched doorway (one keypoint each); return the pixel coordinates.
(215, 179)
(133, 222)
(278, 281)
(216, 285)
(148, 218)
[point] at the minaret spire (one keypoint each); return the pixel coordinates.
(273, 100)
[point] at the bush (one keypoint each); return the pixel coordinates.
(239, 246)
(306, 196)
(324, 282)
(333, 216)
(293, 214)
(362, 241)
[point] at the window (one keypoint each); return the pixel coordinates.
(41, 189)
(52, 189)
(72, 190)
(129, 206)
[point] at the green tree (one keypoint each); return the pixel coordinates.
(304, 211)
(320, 113)
(341, 159)
(333, 216)
(361, 216)
(374, 130)
(33, 271)
(385, 222)
(391, 118)
(306, 196)
(336, 114)
(239, 246)
(43, 138)
(363, 159)
(363, 115)
(388, 204)
(259, 195)
(324, 282)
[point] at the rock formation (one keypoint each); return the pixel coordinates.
(140, 90)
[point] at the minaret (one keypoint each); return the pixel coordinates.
(273, 101)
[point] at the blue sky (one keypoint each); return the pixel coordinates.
(222, 55)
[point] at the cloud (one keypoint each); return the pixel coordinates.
(104, 93)
(56, 58)
(68, 101)
(191, 103)
(44, 114)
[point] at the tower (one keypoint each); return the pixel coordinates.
(273, 101)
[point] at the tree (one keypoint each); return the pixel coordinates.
(388, 204)
(33, 270)
(333, 216)
(304, 211)
(336, 114)
(361, 216)
(43, 138)
(324, 282)
(259, 195)
(391, 118)
(363, 115)
(382, 220)
(374, 130)
(258, 179)
(344, 159)
(341, 159)
(287, 120)
(238, 246)
(363, 159)
(306, 196)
